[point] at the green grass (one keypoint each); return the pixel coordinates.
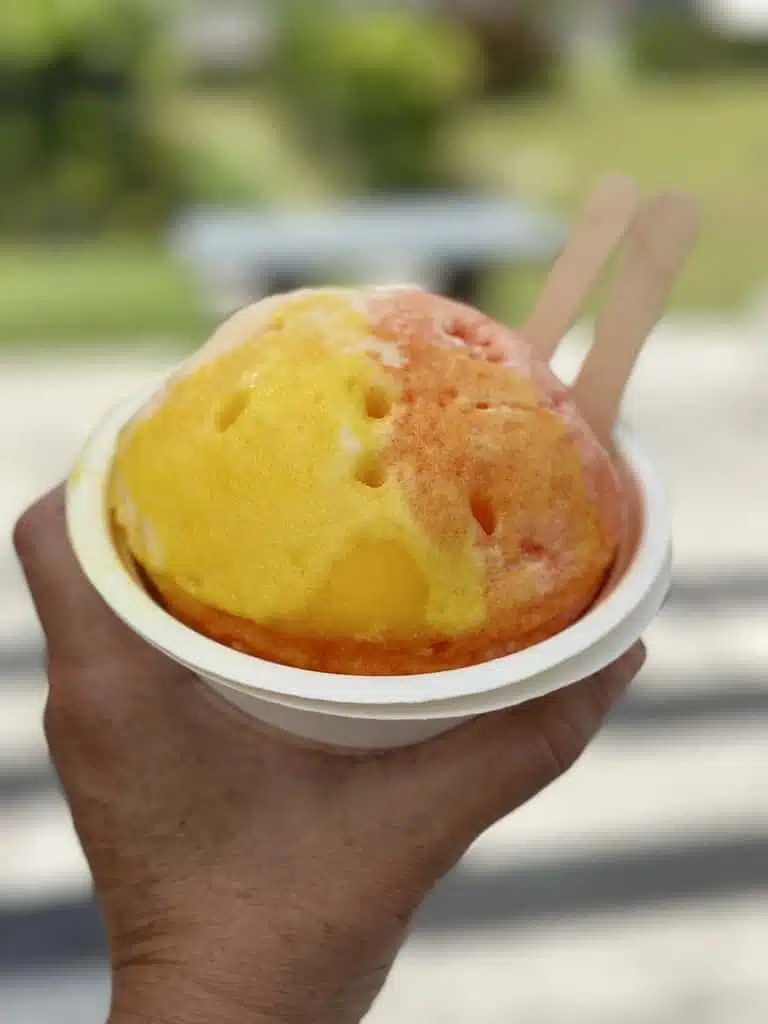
(708, 139)
(110, 291)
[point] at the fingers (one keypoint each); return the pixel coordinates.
(98, 667)
(481, 772)
(74, 618)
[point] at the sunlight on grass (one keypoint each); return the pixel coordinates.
(708, 139)
(104, 292)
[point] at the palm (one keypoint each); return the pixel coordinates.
(237, 871)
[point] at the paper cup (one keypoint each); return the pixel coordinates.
(379, 712)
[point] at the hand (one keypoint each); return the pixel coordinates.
(244, 877)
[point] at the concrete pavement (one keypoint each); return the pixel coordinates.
(636, 890)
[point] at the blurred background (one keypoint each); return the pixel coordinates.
(162, 163)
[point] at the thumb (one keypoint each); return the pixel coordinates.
(78, 625)
(481, 772)
(99, 668)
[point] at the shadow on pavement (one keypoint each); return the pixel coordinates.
(687, 872)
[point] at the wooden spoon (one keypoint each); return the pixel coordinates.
(662, 237)
(600, 227)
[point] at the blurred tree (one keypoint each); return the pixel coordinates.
(77, 151)
(523, 41)
(373, 90)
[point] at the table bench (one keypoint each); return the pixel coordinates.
(445, 243)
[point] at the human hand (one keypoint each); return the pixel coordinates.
(243, 877)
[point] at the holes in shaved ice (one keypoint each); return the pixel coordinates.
(461, 332)
(441, 648)
(484, 514)
(533, 549)
(370, 471)
(231, 409)
(378, 404)
(478, 344)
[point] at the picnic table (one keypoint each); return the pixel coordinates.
(446, 243)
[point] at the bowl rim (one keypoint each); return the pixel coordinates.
(566, 673)
(92, 542)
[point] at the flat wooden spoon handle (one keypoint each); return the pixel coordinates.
(659, 244)
(600, 227)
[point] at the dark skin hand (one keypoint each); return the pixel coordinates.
(244, 878)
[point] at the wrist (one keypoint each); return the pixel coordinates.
(144, 997)
(235, 978)
(167, 1013)
(182, 995)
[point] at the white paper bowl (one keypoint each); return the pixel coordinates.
(377, 712)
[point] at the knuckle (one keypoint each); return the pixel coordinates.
(572, 718)
(53, 726)
(50, 721)
(597, 697)
(564, 737)
(65, 710)
(563, 743)
(26, 531)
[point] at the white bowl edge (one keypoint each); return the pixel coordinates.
(91, 539)
(587, 663)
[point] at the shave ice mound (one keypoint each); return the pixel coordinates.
(369, 482)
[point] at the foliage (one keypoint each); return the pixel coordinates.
(522, 42)
(76, 146)
(375, 89)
